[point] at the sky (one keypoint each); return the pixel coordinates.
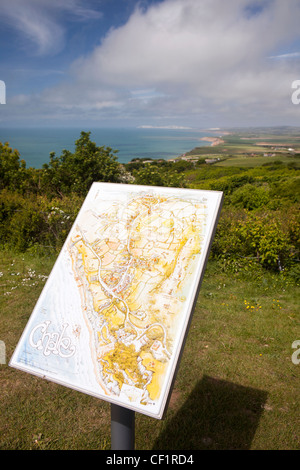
(160, 63)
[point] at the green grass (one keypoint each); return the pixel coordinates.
(237, 387)
(251, 162)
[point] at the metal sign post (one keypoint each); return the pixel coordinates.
(122, 428)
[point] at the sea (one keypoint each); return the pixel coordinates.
(35, 144)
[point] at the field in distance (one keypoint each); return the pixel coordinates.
(252, 147)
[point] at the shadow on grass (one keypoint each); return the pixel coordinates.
(217, 415)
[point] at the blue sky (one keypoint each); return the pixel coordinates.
(105, 63)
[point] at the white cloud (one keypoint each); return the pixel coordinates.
(184, 41)
(195, 50)
(33, 24)
(194, 61)
(40, 22)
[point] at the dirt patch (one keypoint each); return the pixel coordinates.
(175, 398)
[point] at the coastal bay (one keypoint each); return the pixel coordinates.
(35, 144)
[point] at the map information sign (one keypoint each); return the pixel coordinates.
(112, 318)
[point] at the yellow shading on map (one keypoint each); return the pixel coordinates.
(136, 255)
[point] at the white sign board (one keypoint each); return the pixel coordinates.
(114, 313)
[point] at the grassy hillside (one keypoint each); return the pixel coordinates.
(237, 386)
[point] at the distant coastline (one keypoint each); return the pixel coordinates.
(213, 140)
(165, 127)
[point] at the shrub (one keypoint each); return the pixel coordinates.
(270, 238)
(12, 169)
(228, 184)
(26, 222)
(10, 203)
(250, 197)
(288, 189)
(157, 177)
(25, 226)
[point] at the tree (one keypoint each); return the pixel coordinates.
(12, 169)
(75, 172)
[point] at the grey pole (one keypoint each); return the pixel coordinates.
(122, 428)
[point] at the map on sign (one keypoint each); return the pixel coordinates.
(112, 318)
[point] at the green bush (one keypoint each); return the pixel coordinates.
(157, 177)
(12, 170)
(10, 203)
(26, 227)
(287, 189)
(228, 184)
(271, 238)
(250, 197)
(28, 221)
